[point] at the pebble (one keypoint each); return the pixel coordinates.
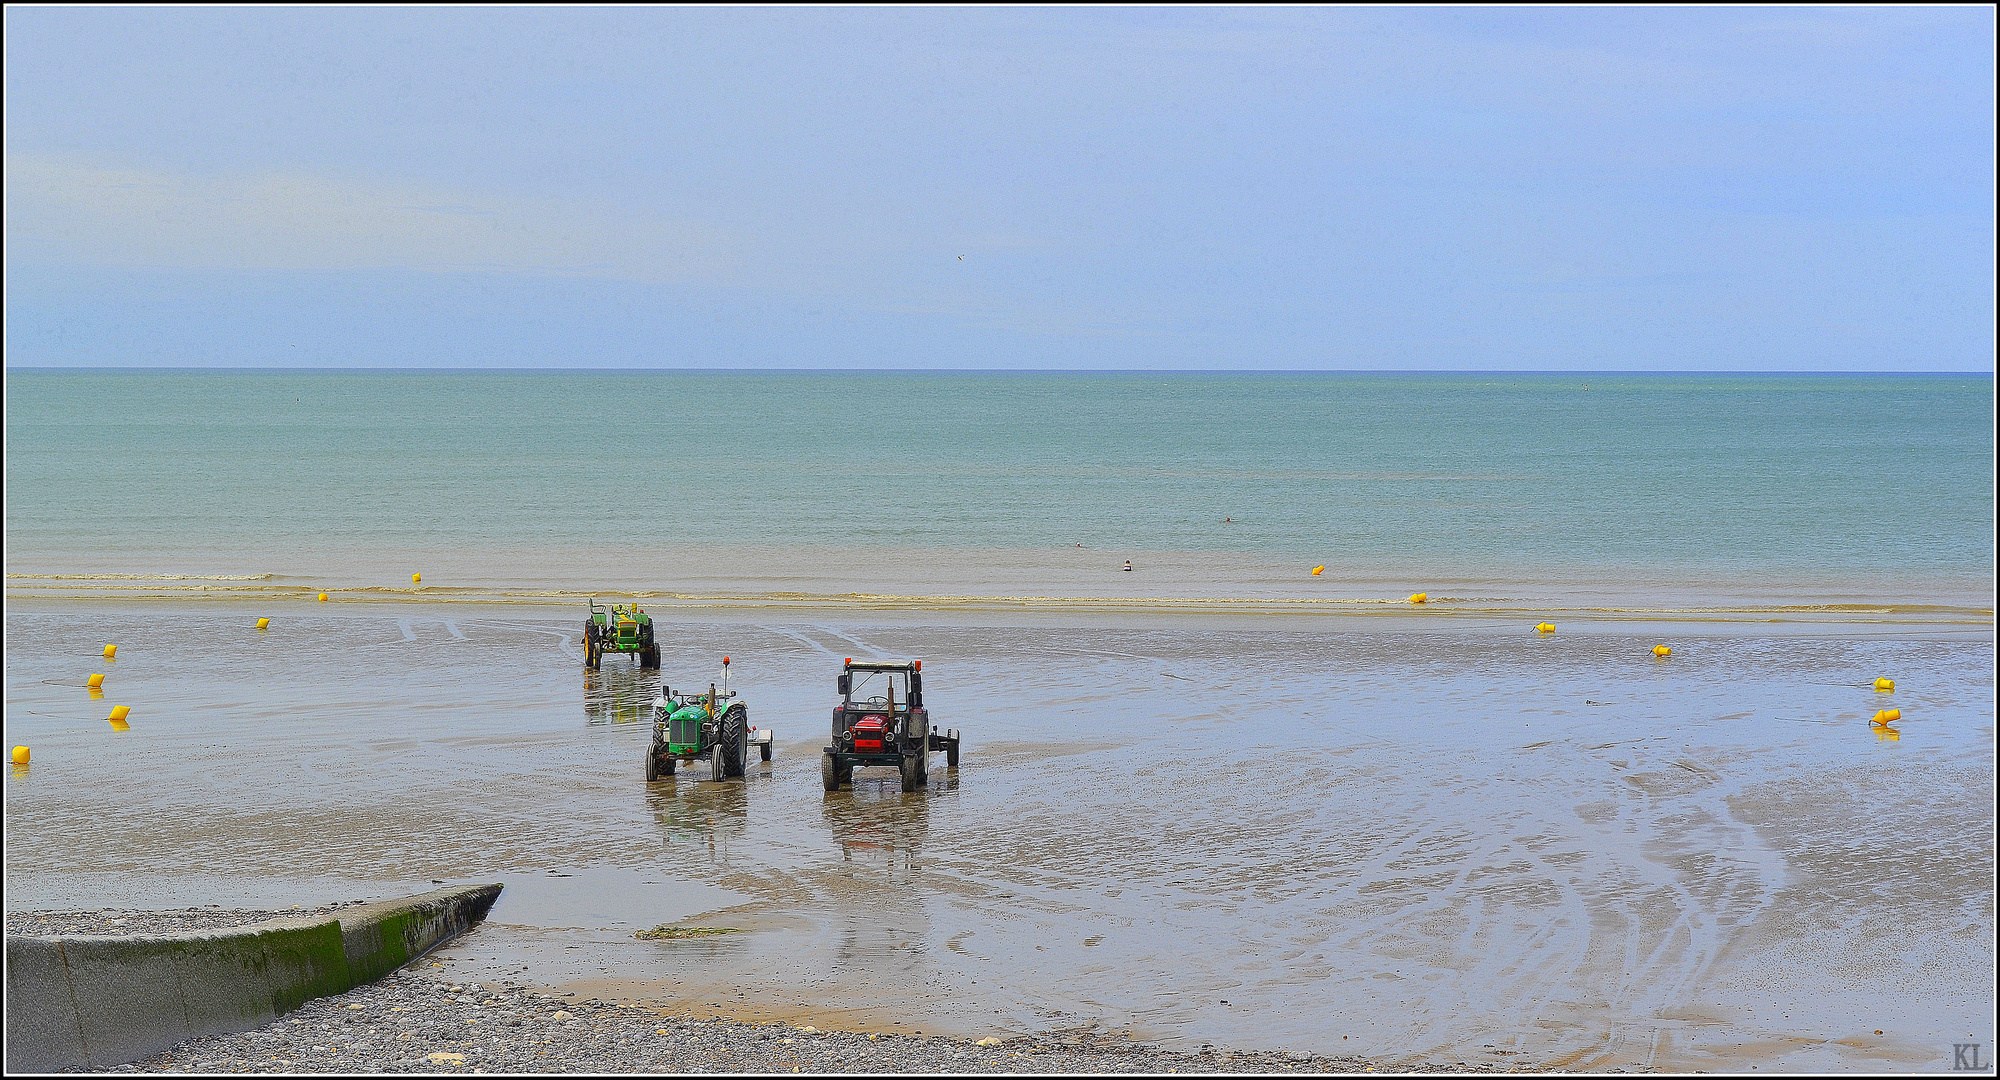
(412, 1022)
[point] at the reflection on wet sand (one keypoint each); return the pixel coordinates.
(877, 822)
(881, 920)
(618, 695)
(700, 819)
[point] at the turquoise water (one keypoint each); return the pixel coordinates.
(1815, 484)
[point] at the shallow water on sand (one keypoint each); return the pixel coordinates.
(1413, 838)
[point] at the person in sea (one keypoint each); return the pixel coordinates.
(1128, 566)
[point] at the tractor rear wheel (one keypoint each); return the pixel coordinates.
(736, 735)
(829, 772)
(649, 656)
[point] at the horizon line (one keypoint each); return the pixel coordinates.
(377, 369)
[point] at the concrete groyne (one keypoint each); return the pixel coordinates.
(95, 1001)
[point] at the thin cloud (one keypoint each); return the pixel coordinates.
(78, 215)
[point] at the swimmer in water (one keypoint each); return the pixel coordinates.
(1128, 565)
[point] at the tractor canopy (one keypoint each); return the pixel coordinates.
(875, 685)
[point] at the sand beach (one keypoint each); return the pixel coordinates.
(1420, 839)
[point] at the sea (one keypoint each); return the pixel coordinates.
(1529, 721)
(1515, 490)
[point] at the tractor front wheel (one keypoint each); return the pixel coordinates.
(764, 751)
(652, 764)
(951, 754)
(911, 770)
(717, 770)
(829, 772)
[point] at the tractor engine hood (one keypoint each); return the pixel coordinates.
(869, 732)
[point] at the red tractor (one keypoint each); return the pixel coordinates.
(881, 720)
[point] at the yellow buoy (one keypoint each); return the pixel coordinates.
(1418, 598)
(322, 598)
(111, 652)
(20, 755)
(1885, 685)
(1317, 569)
(120, 712)
(1662, 651)
(1887, 717)
(414, 578)
(94, 680)
(1545, 628)
(263, 624)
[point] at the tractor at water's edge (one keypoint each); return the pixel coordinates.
(874, 725)
(621, 628)
(711, 725)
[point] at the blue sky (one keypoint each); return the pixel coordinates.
(1593, 189)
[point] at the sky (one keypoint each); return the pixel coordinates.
(1284, 188)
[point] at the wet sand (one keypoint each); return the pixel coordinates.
(1406, 839)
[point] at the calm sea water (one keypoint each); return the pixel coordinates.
(1813, 488)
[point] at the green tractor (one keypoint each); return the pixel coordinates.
(711, 725)
(621, 629)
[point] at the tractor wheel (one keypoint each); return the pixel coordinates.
(591, 656)
(909, 771)
(951, 754)
(764, 751)
(716, 769)
(649, 656)
(652, 764)
(923, 768)
(829, 772)
(736, 733)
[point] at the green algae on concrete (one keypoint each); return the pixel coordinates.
(92, 1001)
